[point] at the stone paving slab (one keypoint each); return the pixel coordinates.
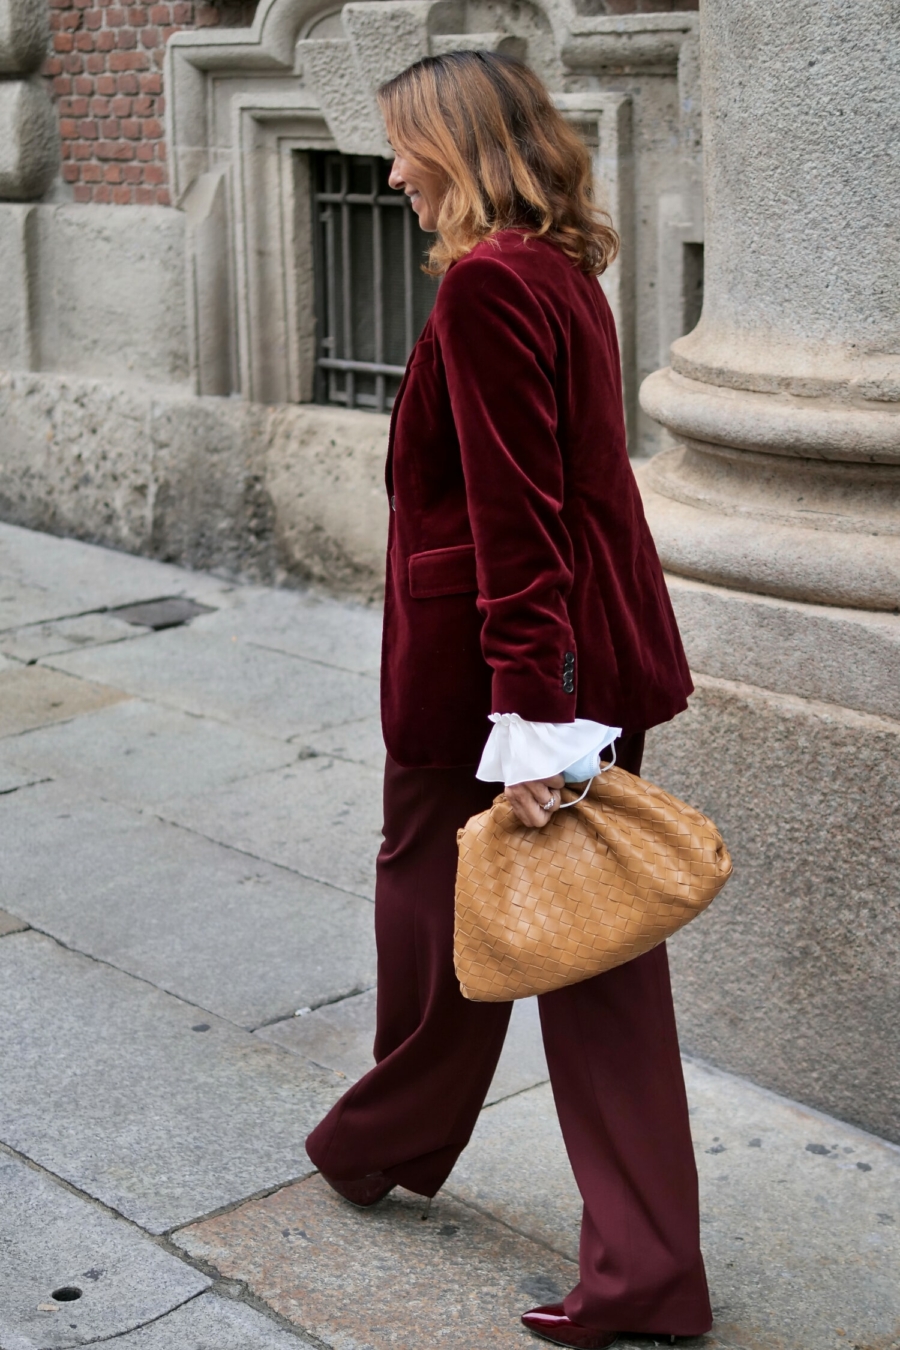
(9, 923)
(31, 696)
(133, 1097)
(363, 1280)
(212, 1323)
(800, 1218)
(12, 775)
(65, 635)
(361, 742)
(799, 1212)
(516, 1167)
(240, 939)
(321, 817)
(219, 676)
(340, 1036)
(44, 578)
(52, 1239)
(142, 753)
(523, 1064)
(332, 632)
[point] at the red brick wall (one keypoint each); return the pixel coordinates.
(106, 74)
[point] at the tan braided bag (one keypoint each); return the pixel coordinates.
(604, 881)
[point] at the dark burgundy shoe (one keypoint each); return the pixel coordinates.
(551, 1324)
(363, 1193)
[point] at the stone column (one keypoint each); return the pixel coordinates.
(29, 137)
(776, 510)
(785, 399)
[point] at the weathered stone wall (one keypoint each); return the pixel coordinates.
(286, 493)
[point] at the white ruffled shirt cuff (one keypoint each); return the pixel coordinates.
(522, 752)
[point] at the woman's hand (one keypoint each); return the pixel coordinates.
(535, 803)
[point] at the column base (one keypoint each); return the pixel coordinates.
(791, 744)
(803, 529)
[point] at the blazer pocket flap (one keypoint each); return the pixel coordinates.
(442, 571)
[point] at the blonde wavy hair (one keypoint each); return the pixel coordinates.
(488, 125)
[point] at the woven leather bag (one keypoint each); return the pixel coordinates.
(604, 881)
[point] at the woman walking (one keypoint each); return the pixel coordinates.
(522, 586)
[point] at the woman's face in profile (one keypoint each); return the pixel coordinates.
(423, 186)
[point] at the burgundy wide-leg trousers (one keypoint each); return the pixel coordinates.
(612, 1051)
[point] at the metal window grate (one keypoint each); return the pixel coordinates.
(372, 298)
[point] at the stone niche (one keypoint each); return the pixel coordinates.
(245, 107)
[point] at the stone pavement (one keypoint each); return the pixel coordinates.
(188, 821)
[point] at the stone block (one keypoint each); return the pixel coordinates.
(207, 674)
(292, 492)
(29, 140)
(347, 103)
(24, 34)
(791, 976)
(51, 1239)
(90, 259)
(143, 754)
(212, 1323)
(91, 444)
(33, 697)
(321, 818)
(235, 937)
(159, 1121)
(211, 504)
(16, 229)
(325, 476)
(843, 656)
(383, 1277)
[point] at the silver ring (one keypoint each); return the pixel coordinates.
(550, 805)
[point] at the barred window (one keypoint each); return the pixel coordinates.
(372, 298)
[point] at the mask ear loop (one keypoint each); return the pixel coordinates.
(605, 766)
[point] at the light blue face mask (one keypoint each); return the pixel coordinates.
(590, 764)
(587, 768)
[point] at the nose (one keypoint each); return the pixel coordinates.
(395, 177)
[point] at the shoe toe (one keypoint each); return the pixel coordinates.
(363, 1192)
(551, 1324)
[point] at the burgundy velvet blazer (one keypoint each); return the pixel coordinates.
(521, 575)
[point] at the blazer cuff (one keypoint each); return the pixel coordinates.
(536, 699)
